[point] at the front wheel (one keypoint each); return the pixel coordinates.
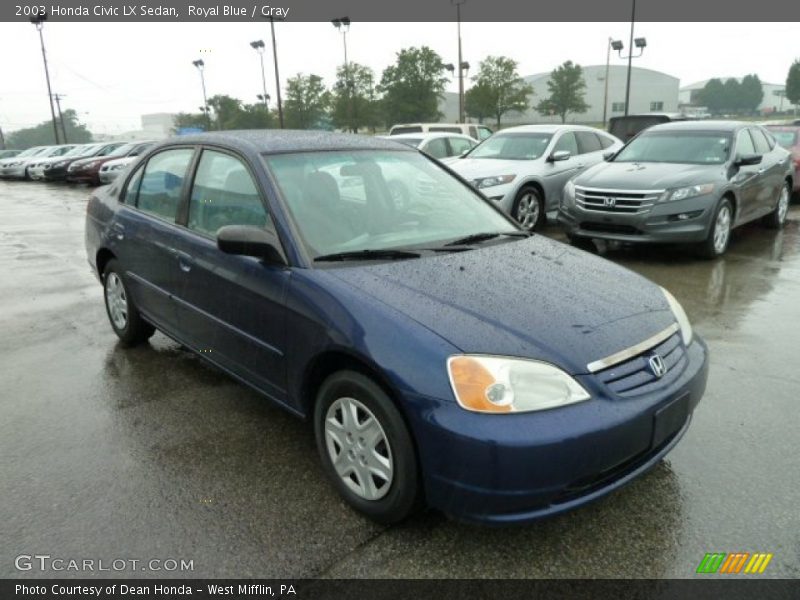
(366, 448)
(777, 217)
(125, 319)
(719, 233)
(528, 208)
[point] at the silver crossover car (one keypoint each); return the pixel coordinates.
(524, 169)
(682, 182)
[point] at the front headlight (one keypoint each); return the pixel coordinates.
(680, 316)
(485, 182)
(691, 191)
(116, 167)
(496, 384)
(60, 164)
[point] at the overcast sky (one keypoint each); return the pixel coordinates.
(112, 73)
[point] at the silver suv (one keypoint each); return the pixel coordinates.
(692, 181)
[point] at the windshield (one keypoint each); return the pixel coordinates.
(513, 146)
(77, 150)
(785, 137)
(108, 150)
(31, 151)
(679, 147)
(122, 150)
(377, 200)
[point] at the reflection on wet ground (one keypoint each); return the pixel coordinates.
(108, 452)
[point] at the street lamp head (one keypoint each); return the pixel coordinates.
(342, 24)
(450, 67)
(617, 45)
(640, 42)
(39, 19)
(199, 64)
(465, 65)
(257, 45)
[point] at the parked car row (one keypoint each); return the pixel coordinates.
(680, 181)
(76, 163)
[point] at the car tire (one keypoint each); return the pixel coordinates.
(125, 319)
(777, 218)
(528, 208)
(719, 234)
(366, 448)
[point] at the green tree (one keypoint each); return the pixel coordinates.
(253, 116)
(307, 102)
(479, 102)
(355, 104)
(567, 92)
(226, 110)
(793, 83)
(412, 87)
(500, 89)
(712, 96)
(42, 134)
(732, 96)
(751, 93)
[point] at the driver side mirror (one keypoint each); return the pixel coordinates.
(560, 155)
(607, 156)
(246, 240)
(747, 160)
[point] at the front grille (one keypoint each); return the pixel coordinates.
(633, 202)
(634, 376)
(610, 228)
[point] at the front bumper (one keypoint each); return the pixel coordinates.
(83, 175)
(16, 172)
(55, 174)
(502, 469)
(36, 173)
(109, 176)
(661, 224)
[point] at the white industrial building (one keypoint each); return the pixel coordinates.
(651, 91)
(773, 100)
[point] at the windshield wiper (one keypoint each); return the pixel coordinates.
(482, 237)
(387, 254)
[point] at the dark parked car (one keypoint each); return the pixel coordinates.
(788, 136)
(283, 259)
(682, 182)
(57, 170)
(628, 127)
(86, 170)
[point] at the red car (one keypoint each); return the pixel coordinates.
(788, 136)
(87, 170)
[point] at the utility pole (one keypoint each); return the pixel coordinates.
(630, 57)
(38, 22)
(57, 98)
(458, 4)
(277, 77)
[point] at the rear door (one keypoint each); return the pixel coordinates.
(771, 169)
(231, 307)
(459, 145)
(590, 147)
(557, 173)
(747, 179)
(143, 233)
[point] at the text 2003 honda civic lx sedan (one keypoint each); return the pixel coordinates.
(444, 355)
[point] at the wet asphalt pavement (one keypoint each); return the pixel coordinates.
(108, 453)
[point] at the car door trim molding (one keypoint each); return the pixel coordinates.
(623, 355)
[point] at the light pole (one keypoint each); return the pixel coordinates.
(38, 22)
(461, 63)
(343, 26)
(57, 98)
(265, 98)
(639, 43)
(277, 77)
(259, 47)
(615, 45)
(200, 65)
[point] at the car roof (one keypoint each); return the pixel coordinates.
(705, 125)
(277, 141)
(426, 135)
(548, 128)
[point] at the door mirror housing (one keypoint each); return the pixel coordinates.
(607, 156)
(747, 160)
(246, 240)
(560, 155)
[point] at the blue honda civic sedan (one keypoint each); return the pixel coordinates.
(444, 356)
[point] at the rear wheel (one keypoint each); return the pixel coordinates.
(719, 233)
(528, 208)
(365, 447)
(777, 217)
(125, 319)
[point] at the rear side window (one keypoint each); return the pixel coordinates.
(473, 132)
(567, 142)
(459, 145)
(437, 148)
(588, 142)
(224, 193)
(483, 133)
(399, 130)
(162, 182)
(762, 143)
(605, 141)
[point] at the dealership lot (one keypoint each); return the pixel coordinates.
(149, 453)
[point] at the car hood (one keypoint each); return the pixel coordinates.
(534, 298)
(473, 168)
(647, 176)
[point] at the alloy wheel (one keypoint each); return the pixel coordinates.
(117, 301)
(722, 229)
(528, 210)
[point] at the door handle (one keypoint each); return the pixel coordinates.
(119, 230)
(184, 260)
(762, 170)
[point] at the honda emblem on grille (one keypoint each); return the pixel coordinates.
(609, 202)
(657, 366)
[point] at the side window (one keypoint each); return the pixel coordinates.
(437, 148)
(459, 145)
(605, 141)
(483, 133)
(224, 193)
(567, 142)
(588, 142)
(133, 187)
(473, 132)
(744, 144)
(435, 129)
(761, 141)
(162, 182)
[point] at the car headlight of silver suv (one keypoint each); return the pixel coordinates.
(680, 316)
(492, 181)
(500, 384)
(691, 191)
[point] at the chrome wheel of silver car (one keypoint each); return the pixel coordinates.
(783, 204)
(358, 448)
(527, 212)
(722, 229)
(117, 301)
